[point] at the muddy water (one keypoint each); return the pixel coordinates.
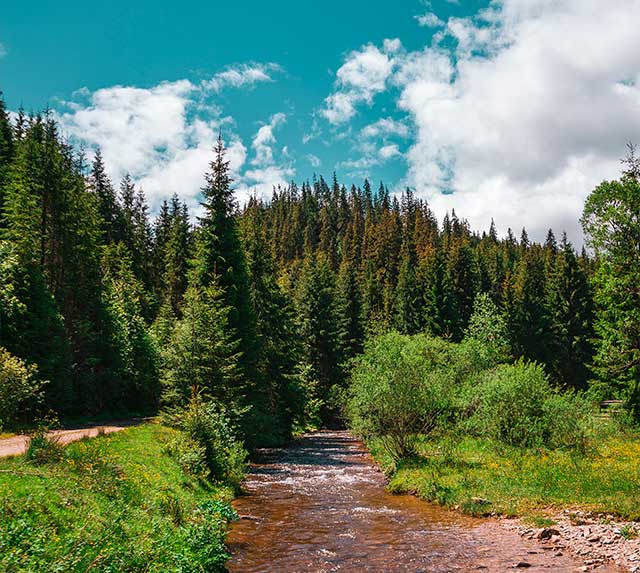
(321, 505)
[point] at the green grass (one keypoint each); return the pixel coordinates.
(480, 477)
(116, 503)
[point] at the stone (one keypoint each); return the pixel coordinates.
(547, 533)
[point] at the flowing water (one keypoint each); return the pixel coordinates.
(320, 505)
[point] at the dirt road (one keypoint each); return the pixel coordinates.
(17, 445)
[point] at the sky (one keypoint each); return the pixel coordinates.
(507, 109)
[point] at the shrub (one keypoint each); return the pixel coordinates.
(516, 404)
(20, 389)
(42, 446)
(398, 391)
(207, 446)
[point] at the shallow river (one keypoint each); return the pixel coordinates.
(320, 505)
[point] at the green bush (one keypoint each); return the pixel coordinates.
(207, 446)
(515, 404)
(399, 390)
(20, 389)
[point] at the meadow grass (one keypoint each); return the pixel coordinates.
(481, 477)
(116, 503)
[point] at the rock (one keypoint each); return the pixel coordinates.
(522, 565)
(547, 533)
(594, 539)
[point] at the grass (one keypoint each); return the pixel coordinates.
(481, 477)
(116, 503)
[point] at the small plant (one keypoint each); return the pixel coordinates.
(476, 506)
(628, 532)
(43, 446)
(539, 521)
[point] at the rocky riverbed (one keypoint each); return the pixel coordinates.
(596, 540)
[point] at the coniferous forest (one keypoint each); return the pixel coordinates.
(107, 309)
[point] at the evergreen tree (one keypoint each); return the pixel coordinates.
(611, 222)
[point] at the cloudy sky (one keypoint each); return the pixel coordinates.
(511, 109)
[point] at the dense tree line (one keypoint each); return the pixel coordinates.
(263, 308)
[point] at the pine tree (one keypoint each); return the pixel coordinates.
(570, 310)
(108, 208)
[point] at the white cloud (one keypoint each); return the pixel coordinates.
(3, 51)
(527, 113)
(429, 20)
(262, 181)
(389, 151)
(384, 127)
(163, 135)
(241, 76)
(264, 140)
(363, 75)
(314, 160)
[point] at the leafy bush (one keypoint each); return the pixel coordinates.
(399, 391)
(20, 388)
(516, 404)
(207, 446)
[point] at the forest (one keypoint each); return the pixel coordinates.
(326, 304)
(262, 307)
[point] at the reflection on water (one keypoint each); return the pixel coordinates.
(321, 505)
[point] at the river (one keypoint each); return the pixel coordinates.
(320, 505)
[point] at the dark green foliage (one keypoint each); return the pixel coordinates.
(611, 221)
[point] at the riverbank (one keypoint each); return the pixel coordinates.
(590, 499)
(321, 505)
(113, 503)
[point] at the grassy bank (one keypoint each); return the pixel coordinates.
(480, 476)
(117, 503)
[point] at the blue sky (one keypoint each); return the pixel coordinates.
(494, 109)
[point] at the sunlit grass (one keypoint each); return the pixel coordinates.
(114, 503)
(481, 477)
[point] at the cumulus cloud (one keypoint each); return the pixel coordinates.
(518, 111)
(363, 75)
(534, 112)
(163, 135)
(265, 139)
(429, 20)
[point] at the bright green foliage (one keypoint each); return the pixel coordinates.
(207, 446)
(398, 392)
(21, 391)
(488, 326)
(611, 222)
(516, 404)
(201, 353)
(115, 503)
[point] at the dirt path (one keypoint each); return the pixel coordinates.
(321, 505)
(17, 445)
